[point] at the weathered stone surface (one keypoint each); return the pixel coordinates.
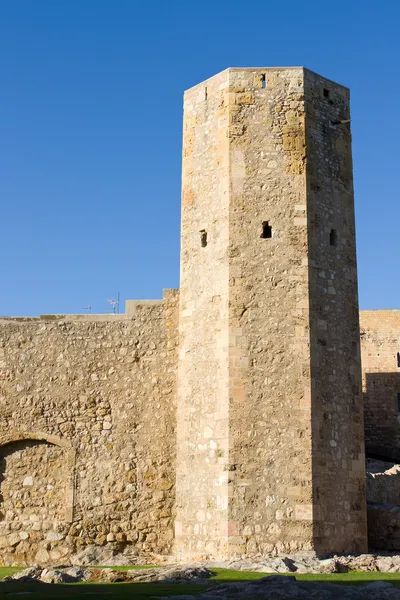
(57, 576)
(269, 430)
(33, 572)
(300, 563)
(383, 496)
(380, 337)
(107, 555)
(87, 434)
(263, 404)
(190, 574)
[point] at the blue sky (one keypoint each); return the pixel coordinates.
(91, 123)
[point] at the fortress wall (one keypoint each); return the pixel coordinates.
(383, 497)
(87, 446)
(338, 477)
(380, 343)
(295, 373)
(383, 488)
(269, 371)
(203, 377)
(383, 527)
(270, 413)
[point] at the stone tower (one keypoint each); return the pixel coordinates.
(270, 449)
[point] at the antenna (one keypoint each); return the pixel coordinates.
(88, 309)
(114, 304)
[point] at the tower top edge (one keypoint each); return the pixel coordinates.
(266, 69)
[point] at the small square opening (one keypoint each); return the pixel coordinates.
(326, 93)
(266, 230)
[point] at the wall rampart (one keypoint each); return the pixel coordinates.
(380, 345)
(269, 350)
(91, 414)
(383, 497)
(338, 471)
(87, 446)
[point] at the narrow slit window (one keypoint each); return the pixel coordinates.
(398, 402)
(266, 230)
(205, 93)
(263, 81)
(327, 93)
(203, 238)
(398, 360)
(333, 237)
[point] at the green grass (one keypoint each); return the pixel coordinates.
(352, 578)
(128, 567)
(6, 571)
(141, 591)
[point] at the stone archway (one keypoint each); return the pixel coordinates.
(37, 477)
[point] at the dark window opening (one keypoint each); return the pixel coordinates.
(203, 238)
(398, 360)
(398, 402)
(263, 81)
(333, 237)
(266, 230)
(327, 93)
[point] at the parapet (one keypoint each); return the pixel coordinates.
(132, 307)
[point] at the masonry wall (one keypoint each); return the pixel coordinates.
(380, 343)
(259, 416)
(203, 374)
(383, 527)
(239, 400)
(383, 497)
(87, 424)
(250, 476)
(270, 425)
(338, 471)
(384, 488)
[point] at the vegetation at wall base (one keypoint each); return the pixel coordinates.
(139, 591)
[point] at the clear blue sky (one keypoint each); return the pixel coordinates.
(90, 134)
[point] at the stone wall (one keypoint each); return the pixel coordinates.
(270, 425)
(33, 487)
(384, 487)
(87, 446)
(380, 344)
(338, 468)
(259, 415)
(269, 372)
(383, 497)
(203, 377)
(383, 527)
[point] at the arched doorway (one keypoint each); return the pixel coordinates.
(36, 478)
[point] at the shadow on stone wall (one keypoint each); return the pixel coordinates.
(32, 482)
(36, 495)
(382, 416)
